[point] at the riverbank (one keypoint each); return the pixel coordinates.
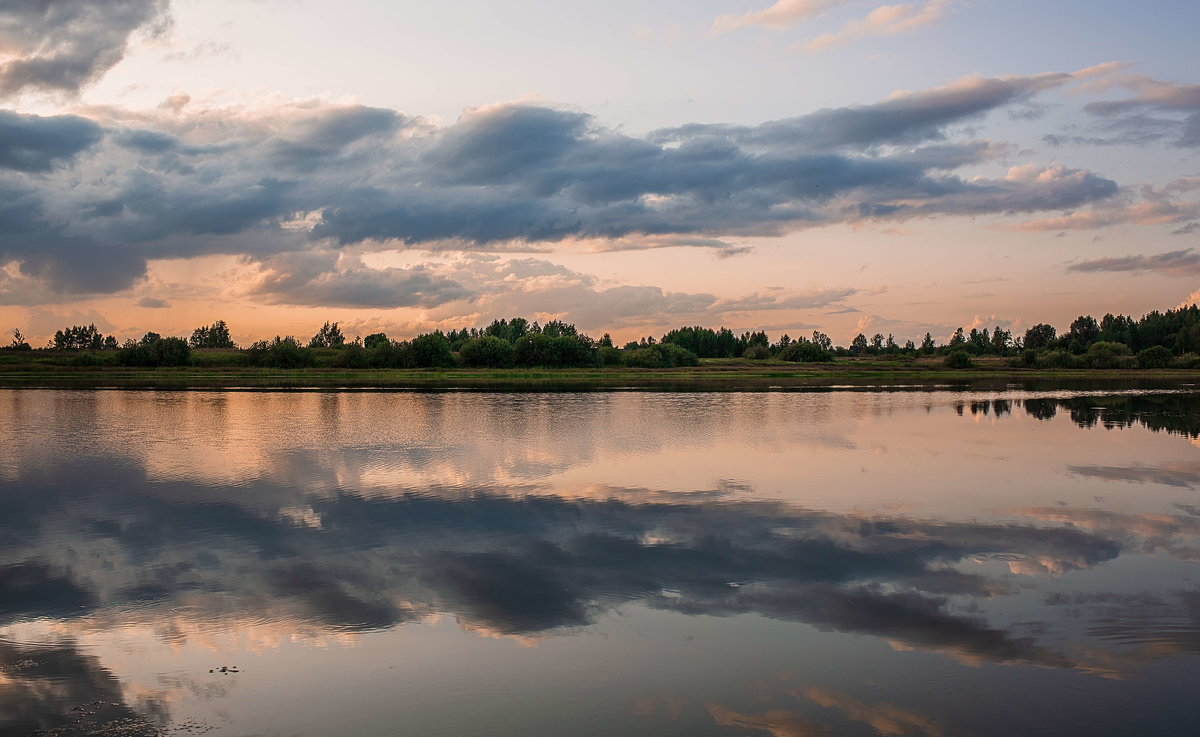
(711, 375)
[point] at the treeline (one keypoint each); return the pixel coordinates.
(1157, 340)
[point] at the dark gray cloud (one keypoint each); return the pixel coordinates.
(1164, 110)
(62, 45)
(357, 286)
(31, 143)
(153, 303)
(501, 178)
(1174, 263)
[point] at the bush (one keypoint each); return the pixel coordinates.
(1156, 356)
(430, 350)
(1053, 359)
(488, 351)
(155, 352)
(958, 360)
(805, 352)
(757, 353)
(660, 355)
(281, 353)
(1107, 355)
(1186, 361)
(353, 356)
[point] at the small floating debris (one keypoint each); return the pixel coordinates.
(225, 669)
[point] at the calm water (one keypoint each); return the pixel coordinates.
(846, 563)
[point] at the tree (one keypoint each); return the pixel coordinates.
(927, 344)
(859, 345)
(1085, 330)
(211, 336)
(19, 342)
(1000, 340)
(329, 336)
(375, 340)
(822, 341)
(958, 339)
(78, 338)
(488, 351)
(432, 349)
(1039, 336)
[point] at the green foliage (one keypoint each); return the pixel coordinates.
(353, 356)
(706, 342)
(540, 349)
(211, 336)
(757, 352)
(488, 351)
(660, 355)
(281, 353)
(1039, 336)
(804, 352)
(329, 336)
(375, 340)
(1156, 356)
(155, 351)
(431, 350)
(958, 360)
(1053, 359)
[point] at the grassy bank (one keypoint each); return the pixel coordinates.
(711, 375)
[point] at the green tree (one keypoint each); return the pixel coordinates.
(927, 346)
(488, 351)
(859, 345)
(822, 341)
(329, 336)
(375, 341)
(1084, 330)
(211, 336)
(1039, 336)
(431, 350)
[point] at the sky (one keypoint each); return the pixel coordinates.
(630, 167)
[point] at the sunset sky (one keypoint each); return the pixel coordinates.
(630, 167)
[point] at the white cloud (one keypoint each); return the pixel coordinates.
(886, 20)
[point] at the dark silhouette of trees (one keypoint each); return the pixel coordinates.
(18, 341)
(1039, 335)
(488, 351)
(329, 336)
(79, 338)
(211, 336)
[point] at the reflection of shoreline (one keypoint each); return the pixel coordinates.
(1176, 413)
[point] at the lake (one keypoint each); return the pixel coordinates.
(610, 563)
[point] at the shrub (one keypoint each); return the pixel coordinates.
(757, 353)
(958, 360)
(281, 353)
(488, 351)
(431, 350)
(805, 352)
(660, 355)
(1156, 356)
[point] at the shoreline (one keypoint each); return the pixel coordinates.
(859, 375)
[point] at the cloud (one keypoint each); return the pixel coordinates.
(780, 15)
(306, 176)
(886, 20)
(153, 303)
(310, 279)
(62, 45)
(1163, 109)
(31, 143)
(1171, 263)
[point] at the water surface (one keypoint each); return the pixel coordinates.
(857, 563)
